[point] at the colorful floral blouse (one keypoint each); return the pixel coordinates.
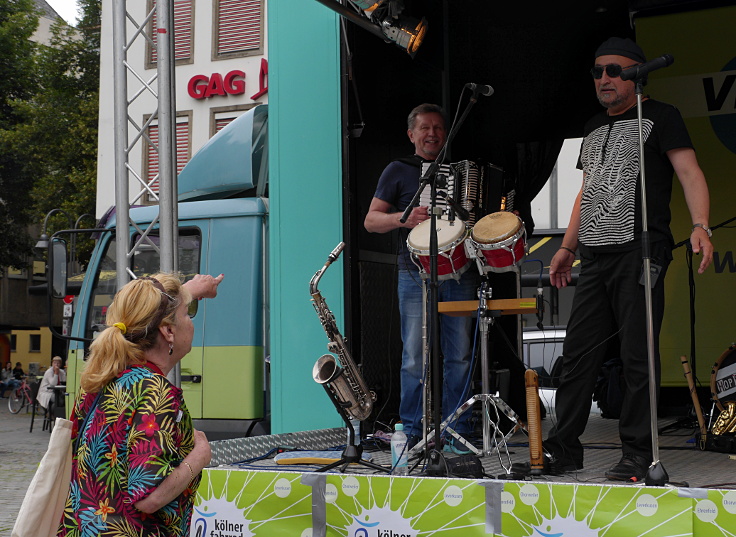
(139, 432)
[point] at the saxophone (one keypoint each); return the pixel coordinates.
(341, 378)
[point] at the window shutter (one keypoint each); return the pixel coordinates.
(182, 31)
(239, 24)
(182, 150)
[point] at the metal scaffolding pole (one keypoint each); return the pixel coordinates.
(157, 29)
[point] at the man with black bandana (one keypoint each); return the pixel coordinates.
(605, 226)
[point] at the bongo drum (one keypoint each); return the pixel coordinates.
(499, 240)
(451, 258)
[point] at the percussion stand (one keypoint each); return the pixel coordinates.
(485, 320)
(437, 466)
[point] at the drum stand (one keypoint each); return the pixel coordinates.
(487, 310)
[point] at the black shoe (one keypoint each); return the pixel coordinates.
(411, 441)
(630, 468)
(552, 466)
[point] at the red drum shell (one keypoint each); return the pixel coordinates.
(452, 260)
(501, 239)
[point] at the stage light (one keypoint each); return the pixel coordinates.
(383, 19)
(406, 32)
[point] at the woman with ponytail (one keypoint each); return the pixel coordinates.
(137, 458)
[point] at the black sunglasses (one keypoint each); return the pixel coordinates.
(613, 70)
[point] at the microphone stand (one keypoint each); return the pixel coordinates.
(437, 466)
(656, 474)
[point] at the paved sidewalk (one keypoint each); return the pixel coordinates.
(20, 453)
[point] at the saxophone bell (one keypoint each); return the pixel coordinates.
(326, 369)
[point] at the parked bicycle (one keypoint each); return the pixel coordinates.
(20, 397)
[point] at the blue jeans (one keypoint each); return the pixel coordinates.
(8, 385)
(455, 341)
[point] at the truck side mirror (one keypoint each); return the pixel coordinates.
(57, 268)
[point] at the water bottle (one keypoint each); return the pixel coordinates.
(399, 452)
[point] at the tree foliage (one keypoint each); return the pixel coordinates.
(53, 137)
(18, 21)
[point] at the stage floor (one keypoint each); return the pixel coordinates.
(686, 465)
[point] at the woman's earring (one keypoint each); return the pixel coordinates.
(171, 349)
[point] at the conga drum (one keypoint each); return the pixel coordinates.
(499, 239)
(452, 260)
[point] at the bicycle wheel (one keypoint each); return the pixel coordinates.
(16, 400)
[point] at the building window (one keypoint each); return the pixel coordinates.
(34, 343)
(39, 270)
(183, 149)
(183, 34)
(238, 28)
(221, 117)
(17, 274)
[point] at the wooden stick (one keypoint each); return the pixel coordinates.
(534, 422)
(693, 394)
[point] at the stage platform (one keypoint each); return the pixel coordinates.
(246, 497)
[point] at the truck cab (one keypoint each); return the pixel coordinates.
(222, 228)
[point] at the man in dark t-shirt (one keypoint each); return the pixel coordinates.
(396, 188)
(606, 227)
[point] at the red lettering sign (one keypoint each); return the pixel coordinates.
(197, 86)
(215, 86)
(235, 82)
(262, 80)
(204, 87)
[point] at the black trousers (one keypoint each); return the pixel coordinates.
(609, 303)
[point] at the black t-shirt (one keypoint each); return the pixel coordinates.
(610, 208)
(397, 185)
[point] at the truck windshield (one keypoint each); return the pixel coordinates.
(143, 263)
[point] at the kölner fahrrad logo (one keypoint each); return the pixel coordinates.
(218, 517)
(380, 522)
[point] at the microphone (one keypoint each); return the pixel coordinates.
(480, 89)
(640, 71)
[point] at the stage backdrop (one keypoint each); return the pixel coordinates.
(702, 84)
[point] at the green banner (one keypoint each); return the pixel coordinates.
(249, 503)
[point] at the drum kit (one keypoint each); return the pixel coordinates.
(496, 243)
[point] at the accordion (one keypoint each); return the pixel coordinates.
(478, 188)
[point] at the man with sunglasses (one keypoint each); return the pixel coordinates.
(605, 225)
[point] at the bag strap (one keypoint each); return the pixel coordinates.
(91, 411)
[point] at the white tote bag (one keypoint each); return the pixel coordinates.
(40, 512)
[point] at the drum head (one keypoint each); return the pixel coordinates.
(723, 378)
(496, 227)
(448, 233)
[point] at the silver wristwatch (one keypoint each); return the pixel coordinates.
(706, 228)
